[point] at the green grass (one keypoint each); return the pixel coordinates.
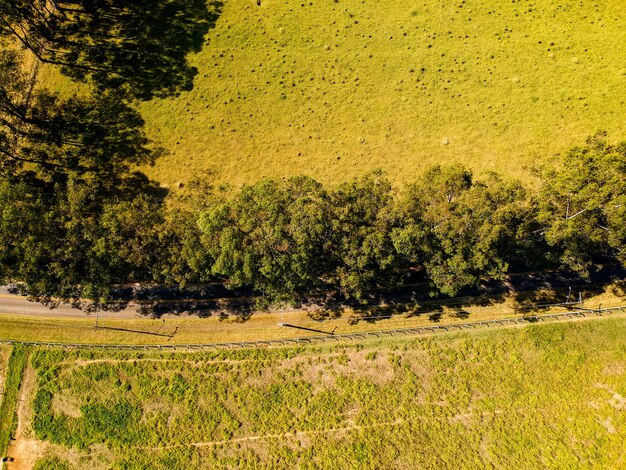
(334, 88)
(547, 396)
(12, 379)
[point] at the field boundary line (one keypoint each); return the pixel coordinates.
(409, 331)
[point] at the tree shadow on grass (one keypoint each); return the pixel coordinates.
(407, 301)
(525, 292)
(140, 46)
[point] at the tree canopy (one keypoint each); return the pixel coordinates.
(74, 219)
(139, 47)
(583, 203)
(271, 236)
(77, 218)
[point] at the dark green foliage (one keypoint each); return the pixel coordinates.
(583, 204)
(460, 229)
(362, 251)
(271, 235)
(139, 47)
(66, 240)
(73, 220)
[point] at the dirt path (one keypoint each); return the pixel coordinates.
(25, 449)
(286, 435)
(5, 352)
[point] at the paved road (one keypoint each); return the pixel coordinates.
(16, 304)
(208, 300)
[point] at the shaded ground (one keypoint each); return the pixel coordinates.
(215, 299)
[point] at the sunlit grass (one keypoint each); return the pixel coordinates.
(332, 89)
(546, 396)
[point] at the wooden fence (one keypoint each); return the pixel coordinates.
(419, 330)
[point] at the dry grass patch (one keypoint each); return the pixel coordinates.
(67, 405)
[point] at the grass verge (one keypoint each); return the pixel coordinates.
(266, 325)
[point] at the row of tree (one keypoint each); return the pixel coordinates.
(295, 239)
(70, 228)
(75, 219)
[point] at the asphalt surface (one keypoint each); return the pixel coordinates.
(164, 301)
(19, 305)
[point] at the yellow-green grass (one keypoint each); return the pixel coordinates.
(332, 88)
(267, 325)
(546, 396)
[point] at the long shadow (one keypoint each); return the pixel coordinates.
(138, 45)
(201, 301)
(535, 291)
(526, 291)
(410, 300)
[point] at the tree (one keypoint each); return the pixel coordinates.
(74, 220)
(139, 47)
(582, 204)
(185, 258)
(62, 239)
(362, 252)
(271, 236)
(458, 229)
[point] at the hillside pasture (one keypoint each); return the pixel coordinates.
(334, 88)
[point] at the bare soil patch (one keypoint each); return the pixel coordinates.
(617, 401)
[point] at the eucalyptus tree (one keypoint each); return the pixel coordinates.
(583, 204)
(461, 230)
(272, 236)
(362, 251)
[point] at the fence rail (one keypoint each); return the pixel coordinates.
(419, 330)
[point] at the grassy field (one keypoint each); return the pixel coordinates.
(334, 88)
(546, 396)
